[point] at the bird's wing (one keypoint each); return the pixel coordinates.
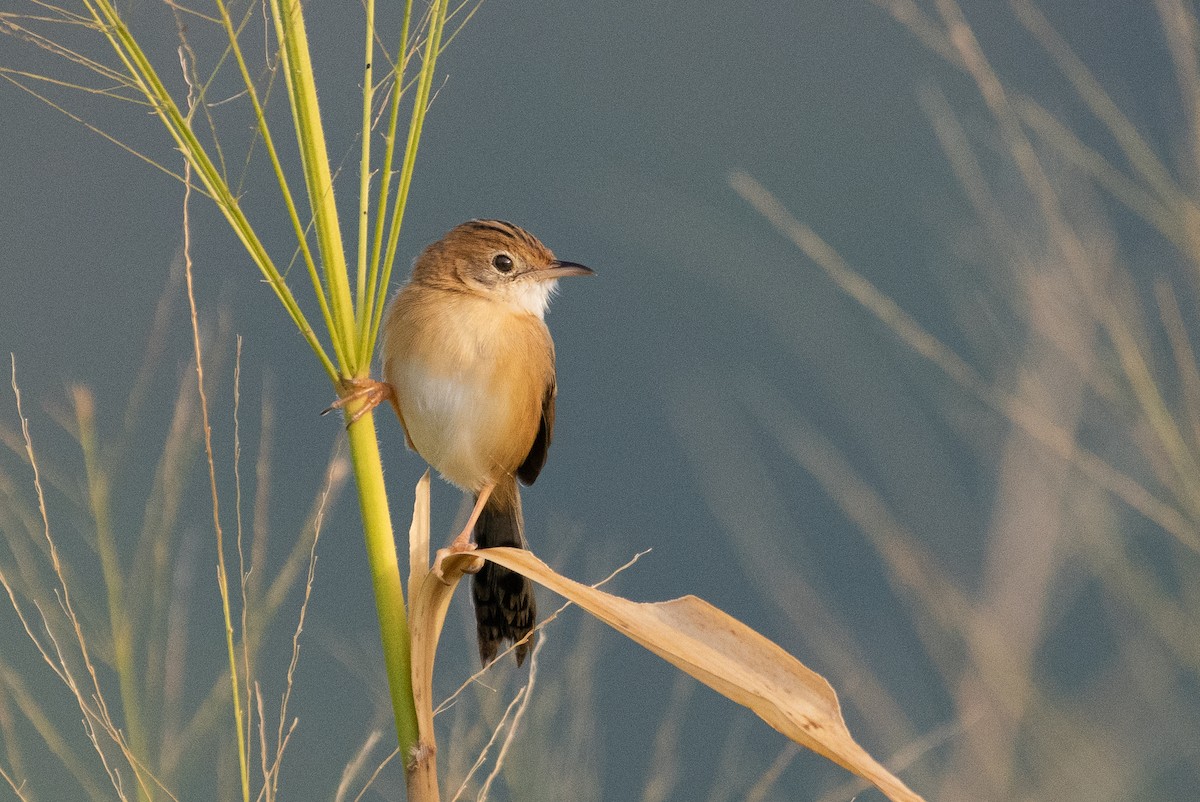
(536, 458)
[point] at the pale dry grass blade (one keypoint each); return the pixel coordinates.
(418, 539)
(718, 650)
(1185, 356)
(27, 703)
(771, 776)
(694, 636)
(91, 703)
(1137, 150)
(1182, 32)
(356, 765)
(518, 715)
(1057, 440)
(665, 761)
(375, 774)
(222, 577)
(497, 731)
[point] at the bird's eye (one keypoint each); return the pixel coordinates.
(502, 262)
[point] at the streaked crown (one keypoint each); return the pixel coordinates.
(497, 260)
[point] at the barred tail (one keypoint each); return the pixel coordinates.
(505, 609)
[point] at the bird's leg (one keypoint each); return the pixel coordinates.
(463, 541)
(370, 392)
(462, 544)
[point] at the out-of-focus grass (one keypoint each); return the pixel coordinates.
(111, 608)
(147, 616)
(1063, 634)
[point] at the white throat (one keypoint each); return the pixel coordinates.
(532, 296)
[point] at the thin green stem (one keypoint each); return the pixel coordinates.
(363, 313)
(375, 288)
(280, 176)
(420, 105)
(146, 79)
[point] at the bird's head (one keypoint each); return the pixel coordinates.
(497, 260)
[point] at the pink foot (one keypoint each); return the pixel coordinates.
(369, 392)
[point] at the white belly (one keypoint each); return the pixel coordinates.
(470, 381)
(442, 416)
(454, 423)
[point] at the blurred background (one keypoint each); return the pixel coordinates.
(961, 482)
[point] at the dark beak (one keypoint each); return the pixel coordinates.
(559, 269)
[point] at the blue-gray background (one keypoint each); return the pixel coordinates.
(611, 130)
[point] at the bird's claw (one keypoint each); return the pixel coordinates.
(473, 566)
(369, 392)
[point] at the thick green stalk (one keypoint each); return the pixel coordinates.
(352, 326)
(385, 577)
(314, 156)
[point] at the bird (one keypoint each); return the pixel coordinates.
(469, 367)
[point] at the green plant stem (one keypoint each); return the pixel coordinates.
(362, 310)
(385, 577)
(277, 166)
(374, 285)
(314, 156)
(146, 80)
(437, 23)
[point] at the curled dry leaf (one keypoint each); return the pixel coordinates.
(689, 633)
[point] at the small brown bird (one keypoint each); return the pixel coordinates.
(470, 365)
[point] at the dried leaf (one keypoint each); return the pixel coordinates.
(689, 633)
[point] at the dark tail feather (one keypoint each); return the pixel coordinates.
(505, 610)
